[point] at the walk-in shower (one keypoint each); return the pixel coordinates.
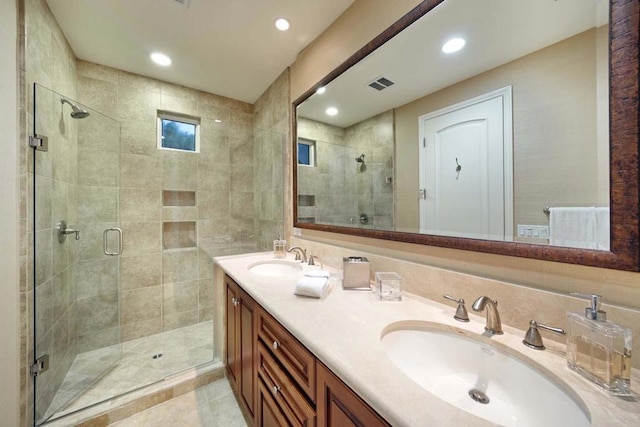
(110, 313)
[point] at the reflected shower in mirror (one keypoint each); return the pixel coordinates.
(473, 143)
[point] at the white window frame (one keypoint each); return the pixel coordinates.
(177, 117)
(312, 152)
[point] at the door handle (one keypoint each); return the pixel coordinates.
(105, 238)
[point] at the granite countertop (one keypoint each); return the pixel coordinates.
(343, 330)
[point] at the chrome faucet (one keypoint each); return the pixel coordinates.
(301, 254)
(493, 325)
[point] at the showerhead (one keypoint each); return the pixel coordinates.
(360, 159)
(77, 112)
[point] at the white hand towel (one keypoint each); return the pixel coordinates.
(573, 227)
(314, 287)
(603, 229)
(318, 273)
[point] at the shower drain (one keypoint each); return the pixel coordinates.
(478, 396)
(159, 355)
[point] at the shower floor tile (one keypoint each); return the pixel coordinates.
(212, 405)
(104, 373)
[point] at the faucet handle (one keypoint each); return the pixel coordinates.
(533, 338)
(461, 312)
(311, 259)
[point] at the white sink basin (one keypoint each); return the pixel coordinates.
(276, 268)
(454, 366)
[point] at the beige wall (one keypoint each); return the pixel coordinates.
(554, 93)
(9, 303)
(620, 287)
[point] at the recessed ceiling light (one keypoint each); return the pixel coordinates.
(453, 45)
(331, 111)
(217, 120)
(321, 90)
(282, 24)
(161, 59)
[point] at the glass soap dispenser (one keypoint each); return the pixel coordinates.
(598, 349)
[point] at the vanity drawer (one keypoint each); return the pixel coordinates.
(293, 356)
(280, 401)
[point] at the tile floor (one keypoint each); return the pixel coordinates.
(210, 406)
(101, 374)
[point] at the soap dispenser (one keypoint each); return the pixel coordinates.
(598, 349)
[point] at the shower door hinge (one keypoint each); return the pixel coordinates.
(41, 365)
(39, 142)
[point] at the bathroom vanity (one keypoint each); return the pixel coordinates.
(277, 381)
(321, 362)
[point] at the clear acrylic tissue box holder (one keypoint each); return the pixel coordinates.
(388, 286)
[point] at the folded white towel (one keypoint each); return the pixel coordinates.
(314, 287)
(318, 273)
(573, 227)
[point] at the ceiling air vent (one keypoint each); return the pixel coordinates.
(381, 83)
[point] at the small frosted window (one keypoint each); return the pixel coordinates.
(178, 132)
(306, 152)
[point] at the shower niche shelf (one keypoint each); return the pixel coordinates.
(178, 235)
(178, 198)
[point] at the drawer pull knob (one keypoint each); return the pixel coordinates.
(235, 301)
(276, 389)
(275, 345)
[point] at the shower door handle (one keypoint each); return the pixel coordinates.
(104, 241)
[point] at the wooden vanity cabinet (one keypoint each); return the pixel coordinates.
(339, 406)
(276, 380)
(241, 344)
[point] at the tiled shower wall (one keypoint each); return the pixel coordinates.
(343, 189)
(333, 181)
(271, 126)
(166, 288)
(48, 61)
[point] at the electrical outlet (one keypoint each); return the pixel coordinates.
(297, 231)
(533, 231)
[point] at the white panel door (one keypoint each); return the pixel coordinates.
(462, 170)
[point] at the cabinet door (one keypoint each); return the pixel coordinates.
(338, 406)
(232, 341)
(248, 351)
(241, 343)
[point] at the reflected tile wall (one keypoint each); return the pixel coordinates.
(344, 188)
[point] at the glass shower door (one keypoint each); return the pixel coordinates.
(77, 242)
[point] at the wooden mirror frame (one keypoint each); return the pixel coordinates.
(624, 182)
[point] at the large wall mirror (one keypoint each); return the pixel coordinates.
(501, 126)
